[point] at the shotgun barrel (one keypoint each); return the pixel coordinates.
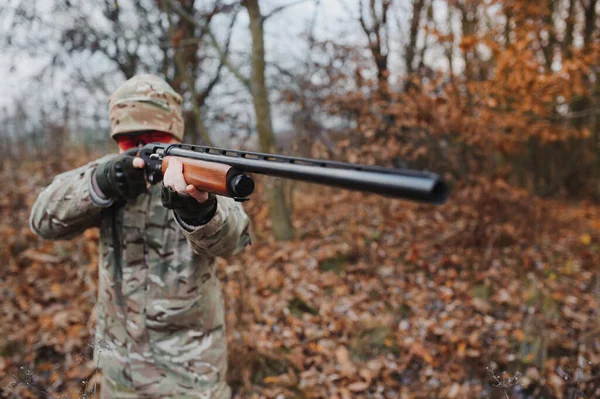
(200, 164)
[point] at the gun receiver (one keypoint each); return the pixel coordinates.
(224, 172)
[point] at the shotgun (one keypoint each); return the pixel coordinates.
(226, 172)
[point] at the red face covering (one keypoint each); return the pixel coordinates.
(128, 141)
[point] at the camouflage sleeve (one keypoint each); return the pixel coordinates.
(227, 233)
(69, 205)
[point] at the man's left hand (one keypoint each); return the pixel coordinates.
(194, 207)
(173, 178)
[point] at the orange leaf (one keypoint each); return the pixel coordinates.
(461, 348)
(56, 289)
(519, 335)
(271, 380)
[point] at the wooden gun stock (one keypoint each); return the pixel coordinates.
(213, 177)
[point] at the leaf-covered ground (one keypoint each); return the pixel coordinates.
(375, 298)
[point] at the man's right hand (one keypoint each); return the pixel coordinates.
(121, 178)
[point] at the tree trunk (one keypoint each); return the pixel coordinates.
(570, 29)
(411, 47)
(548, 49)
(280, 215)
(590, 22)
(186, 72)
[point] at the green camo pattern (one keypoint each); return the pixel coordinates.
(160, 316)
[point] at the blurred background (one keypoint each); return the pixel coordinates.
(342, 294)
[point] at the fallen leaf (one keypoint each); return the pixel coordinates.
(347, 367)
(585, 239)
(358, 386)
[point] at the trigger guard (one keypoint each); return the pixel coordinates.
(154, 177)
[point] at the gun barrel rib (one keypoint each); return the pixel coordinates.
(399, 183)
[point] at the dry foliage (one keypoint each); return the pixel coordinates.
(379, 298)
(374, 298)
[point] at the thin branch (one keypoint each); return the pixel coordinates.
(205, 29)
(225, 60)
(206, 92)
(363, 24)
(281, 8)
(376, 23)
(282, 70)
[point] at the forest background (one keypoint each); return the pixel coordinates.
(342, 294)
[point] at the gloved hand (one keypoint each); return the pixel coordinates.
(194, 207)
(121, 178)
(188, 208)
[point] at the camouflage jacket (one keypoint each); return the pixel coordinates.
(160, 317)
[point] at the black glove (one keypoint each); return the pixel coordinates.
(118, 179)
(188, 208)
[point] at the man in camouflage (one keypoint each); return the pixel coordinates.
(160, 317)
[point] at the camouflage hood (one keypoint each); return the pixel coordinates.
(145, 102)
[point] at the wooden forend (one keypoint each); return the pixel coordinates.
(206, 176)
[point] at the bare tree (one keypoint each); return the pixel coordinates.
(415, 24)
(376, 29)
(256, 84)
(128, 37)
(280, 215)
(184, 67)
